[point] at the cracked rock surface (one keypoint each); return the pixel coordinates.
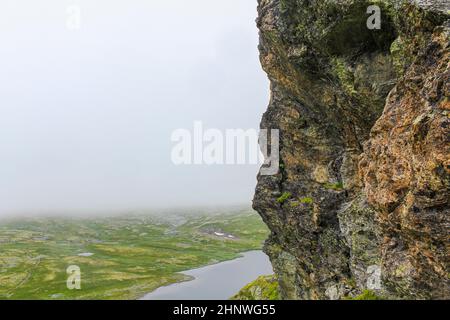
(364, 148)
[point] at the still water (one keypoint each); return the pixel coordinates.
(216, 282)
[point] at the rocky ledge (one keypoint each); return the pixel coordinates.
(361, 200)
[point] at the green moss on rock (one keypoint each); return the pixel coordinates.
(263, 288)
(284, 197)
(366, 295)
(334, 186)
(307, 200)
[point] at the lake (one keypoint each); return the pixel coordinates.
(218, 281)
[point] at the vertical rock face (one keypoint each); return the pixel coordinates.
(361, 197)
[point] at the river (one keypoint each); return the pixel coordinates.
(218, 281)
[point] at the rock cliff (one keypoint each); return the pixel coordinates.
(361, 200)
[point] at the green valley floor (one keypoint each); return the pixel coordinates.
(120, 257)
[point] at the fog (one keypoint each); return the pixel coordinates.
(87, 110)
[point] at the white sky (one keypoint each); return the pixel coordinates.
(86, 116)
